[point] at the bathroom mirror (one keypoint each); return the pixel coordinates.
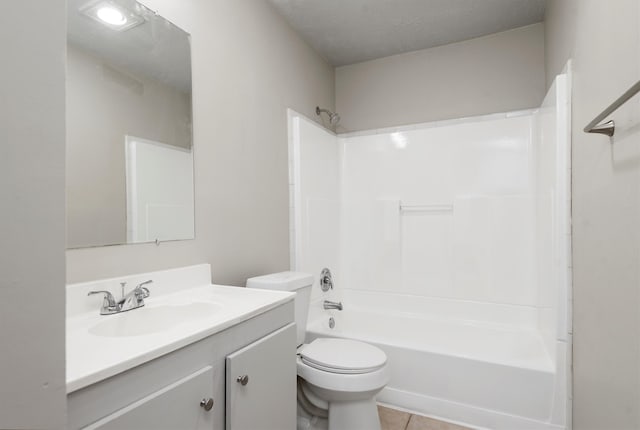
(129, 149)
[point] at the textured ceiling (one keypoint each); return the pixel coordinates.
(351, 31)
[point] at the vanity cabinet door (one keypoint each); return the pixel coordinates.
(261, 383)
(176, 406)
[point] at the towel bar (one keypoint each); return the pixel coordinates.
(609, 127)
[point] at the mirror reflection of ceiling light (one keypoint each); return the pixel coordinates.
(111, 14)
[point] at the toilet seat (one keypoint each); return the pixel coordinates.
(343, 365)
(342, 356)
(361, 383)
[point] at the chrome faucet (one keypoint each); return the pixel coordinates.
(327, 304)
(132, 300)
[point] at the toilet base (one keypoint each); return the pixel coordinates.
(308, 422)
(354, 415)
(346, 416)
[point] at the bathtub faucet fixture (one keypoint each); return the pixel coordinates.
(326, 280)
(327, 304)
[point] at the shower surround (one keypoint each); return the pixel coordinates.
(450, 247)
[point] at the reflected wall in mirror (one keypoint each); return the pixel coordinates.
(129, 142)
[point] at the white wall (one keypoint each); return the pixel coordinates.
(604, 41)
(103, 106)
(32, 238)
(497, 73)
(248, 67)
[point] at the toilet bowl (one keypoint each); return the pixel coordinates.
(338, 379)
(344, 376)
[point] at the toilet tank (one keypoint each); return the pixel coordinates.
(296, 282)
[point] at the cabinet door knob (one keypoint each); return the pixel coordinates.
(207, 404)
(243, 380)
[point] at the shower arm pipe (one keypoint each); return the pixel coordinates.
(609, 127)
(334, 118)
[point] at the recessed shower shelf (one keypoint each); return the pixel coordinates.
(425, 208)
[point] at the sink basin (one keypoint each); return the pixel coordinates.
(149, 320)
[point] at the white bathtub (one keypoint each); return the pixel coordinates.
(483, 365)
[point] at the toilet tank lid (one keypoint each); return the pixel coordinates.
(286, 281)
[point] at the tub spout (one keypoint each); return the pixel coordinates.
(327, 304)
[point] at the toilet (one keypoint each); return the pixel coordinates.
(338, 379)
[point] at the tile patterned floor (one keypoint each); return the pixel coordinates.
(392, 419)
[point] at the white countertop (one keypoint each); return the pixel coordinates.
(92, 358)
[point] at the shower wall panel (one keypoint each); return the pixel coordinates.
(314, 198)
(441, 210)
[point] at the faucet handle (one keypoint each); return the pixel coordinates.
(109, 301)
(145, 282)
(144, 291)
(326, 280)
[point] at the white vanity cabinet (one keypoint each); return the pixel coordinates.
(167, 392)
(258, 379)
(173, 407)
